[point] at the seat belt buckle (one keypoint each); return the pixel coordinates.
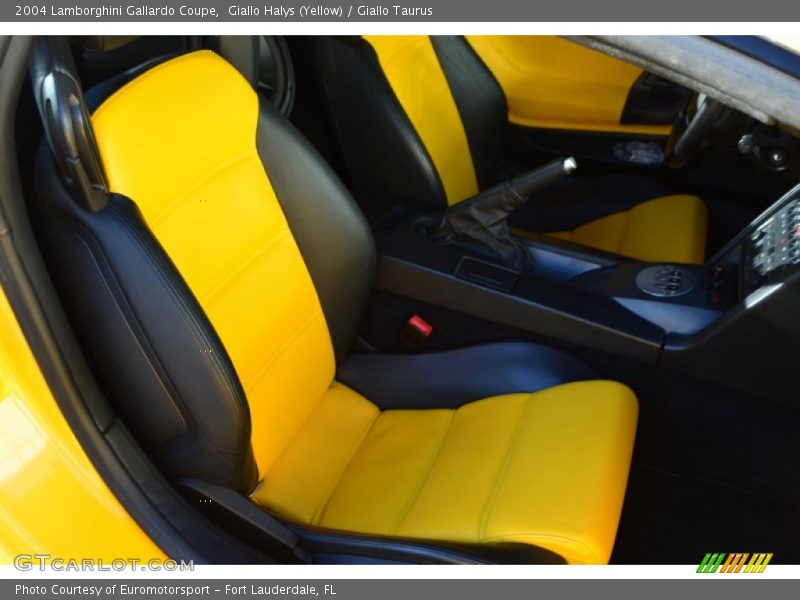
(415, 334)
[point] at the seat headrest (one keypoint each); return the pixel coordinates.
(67, 124)
(239, 50)
(103, 43)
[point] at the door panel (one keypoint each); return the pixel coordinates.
(553, 83)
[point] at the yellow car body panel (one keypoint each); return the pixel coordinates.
(52, 500)
(552, 83)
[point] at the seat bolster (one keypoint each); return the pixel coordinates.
(319, 209)
(565, 474)
(447, 379)
(386, 159)
(481, 105)
(158, 356)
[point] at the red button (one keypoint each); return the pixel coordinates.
(421, 325)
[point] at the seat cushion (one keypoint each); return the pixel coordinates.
(664, 229)
(546, 468)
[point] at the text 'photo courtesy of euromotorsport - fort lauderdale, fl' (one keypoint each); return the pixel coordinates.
(233, 10)
(183, 590)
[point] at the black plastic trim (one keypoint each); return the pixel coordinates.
(325, 543)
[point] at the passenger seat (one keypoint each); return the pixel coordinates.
(216, 270)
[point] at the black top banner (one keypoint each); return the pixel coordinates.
(417, 11)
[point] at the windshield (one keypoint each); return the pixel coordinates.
(790, 42)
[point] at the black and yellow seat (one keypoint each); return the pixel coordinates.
(217, 284)
(421, 121)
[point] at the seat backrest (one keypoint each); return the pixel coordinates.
(420, 119)
(222, 277)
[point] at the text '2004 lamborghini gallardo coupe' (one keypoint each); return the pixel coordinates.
(399, 299)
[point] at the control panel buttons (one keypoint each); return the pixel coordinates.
(776, 242)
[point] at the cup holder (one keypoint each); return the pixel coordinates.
(666, 281)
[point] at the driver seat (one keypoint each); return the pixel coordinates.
(421, 122)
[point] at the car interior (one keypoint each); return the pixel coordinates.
(421, 299)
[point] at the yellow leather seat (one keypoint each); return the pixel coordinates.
(232, 266)
(547, 469)
(444, 126)
(677, 223)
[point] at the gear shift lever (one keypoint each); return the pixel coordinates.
(482, 221)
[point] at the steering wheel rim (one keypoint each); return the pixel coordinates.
(708, 114)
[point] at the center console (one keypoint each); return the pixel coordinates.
(735, 318)
(570, 292)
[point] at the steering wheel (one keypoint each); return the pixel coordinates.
(682, 145)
